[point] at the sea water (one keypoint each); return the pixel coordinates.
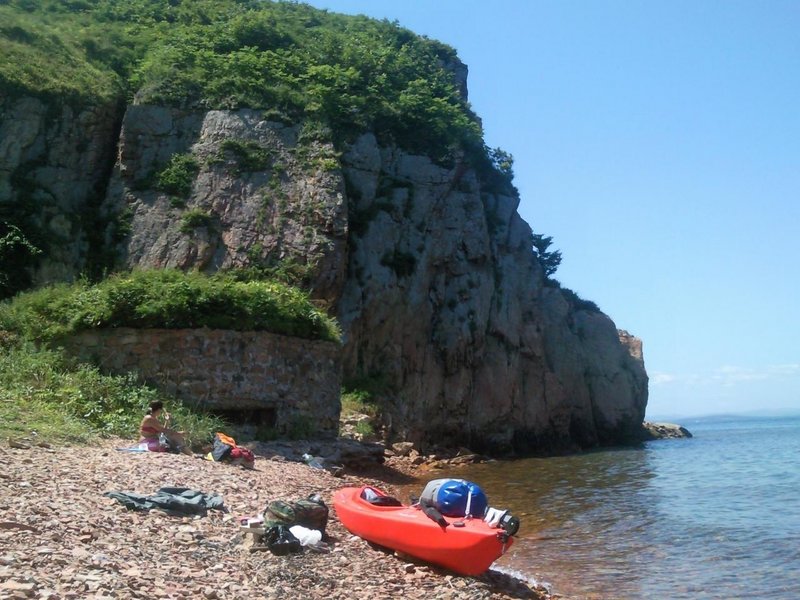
(714, 516)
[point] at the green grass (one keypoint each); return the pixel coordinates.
(365, 429)
(41, 58)
(363, 395)
(358, 402)
(44, 396)
(166, 299)
(249, 156)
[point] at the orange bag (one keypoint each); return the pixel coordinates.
(226, 439)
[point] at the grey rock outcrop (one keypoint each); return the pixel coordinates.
(429, 270)
(432, 276)
(446, 300)
(54, 167)
(663, 431)
(258, 196)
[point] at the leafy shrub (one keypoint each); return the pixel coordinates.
(40, 56)
(249, 156)
(348, 73)
(16, 253)
(166, 299)
(194, 218)
(579, 303)
(357, 401)
(363, 395)
(177, 177)
(549, 260)
(365, 429)
(288, 271)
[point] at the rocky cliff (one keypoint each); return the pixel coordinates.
(55, 162)
(446, 299)
(431, 275)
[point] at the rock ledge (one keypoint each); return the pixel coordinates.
(663, 431)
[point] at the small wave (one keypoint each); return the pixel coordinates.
(516, 574)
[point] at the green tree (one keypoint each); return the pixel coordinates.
(549, 260)
(503, 162)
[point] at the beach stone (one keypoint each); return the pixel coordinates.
(15, 525)
(14, 586)
(151, 554)
(403, 448)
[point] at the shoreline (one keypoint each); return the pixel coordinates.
(62, 538)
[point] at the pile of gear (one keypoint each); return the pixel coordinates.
(225, 450)
(288, 527)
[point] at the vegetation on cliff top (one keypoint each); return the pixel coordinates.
(166, 299)
(331, 72)
(292, 60)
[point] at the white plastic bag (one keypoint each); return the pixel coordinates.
(307, 537)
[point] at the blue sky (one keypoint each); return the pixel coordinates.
(659, 144)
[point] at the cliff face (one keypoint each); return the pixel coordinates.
(55, 161)
(255, 195)
(446, 299)
(432, 277)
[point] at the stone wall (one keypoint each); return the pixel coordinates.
(288, 382)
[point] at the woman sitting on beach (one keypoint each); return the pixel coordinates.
(151, 429)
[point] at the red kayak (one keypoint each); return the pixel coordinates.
(466, 546)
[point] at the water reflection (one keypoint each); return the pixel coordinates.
(717, 516)
(574, 508)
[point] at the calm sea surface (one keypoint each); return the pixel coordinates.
(715, 516)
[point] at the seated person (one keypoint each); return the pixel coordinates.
(151, 428)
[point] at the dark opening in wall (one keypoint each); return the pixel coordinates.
(258, 417)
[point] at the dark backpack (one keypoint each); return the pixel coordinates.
(223, 445)
(311, 513)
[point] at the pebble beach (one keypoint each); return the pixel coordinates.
(61, 537)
